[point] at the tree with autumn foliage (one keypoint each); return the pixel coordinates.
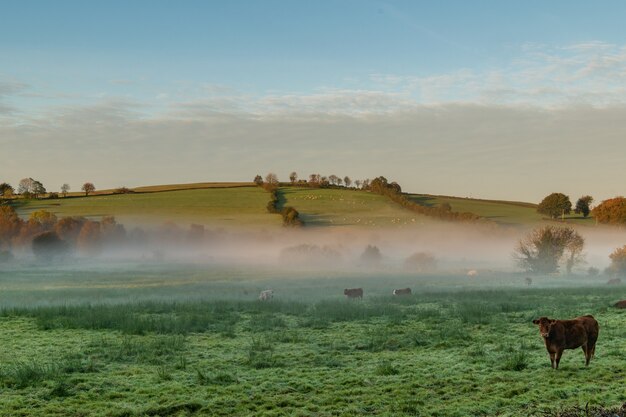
(611, 211)
(555, 205)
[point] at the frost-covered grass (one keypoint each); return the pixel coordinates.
(445, 351)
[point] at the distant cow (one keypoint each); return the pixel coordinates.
(528, 281)
(266, 295)
(472, 273)
(620, 304)
(614, 281)
(353, 292)
(402, 291)
(559, 335)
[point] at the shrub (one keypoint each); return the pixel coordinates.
(543, 248)
(371, 255)
(48, 245)
(618, 261)
(420, 262)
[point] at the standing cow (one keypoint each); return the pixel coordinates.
(353, 293)
(266, 295)
(402, 291)
(559, 335)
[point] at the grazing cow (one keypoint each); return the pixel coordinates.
(528, 281)
(266, 295)
(614, 281)
(472, 273)
(353, 293)
(402, 291)
(620, 304)
(559, 335)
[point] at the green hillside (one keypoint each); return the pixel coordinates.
(502, 212)
(245, 206)
(340, 207)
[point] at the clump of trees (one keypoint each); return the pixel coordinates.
(30, 188)
(371, 255)
(555, 205)
(544, 248)
(611, 211)
(420, 262)
(393, 191)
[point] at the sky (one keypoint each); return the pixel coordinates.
(489, 99)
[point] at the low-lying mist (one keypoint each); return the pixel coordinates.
(429, 248)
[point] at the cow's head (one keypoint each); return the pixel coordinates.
(345, 292)
(545, 325)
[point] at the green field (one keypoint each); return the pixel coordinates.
(240, 206)
(502, 212)
(157, 340)
(337, 207)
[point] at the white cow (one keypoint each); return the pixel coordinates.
(266, 295)
(472, 273)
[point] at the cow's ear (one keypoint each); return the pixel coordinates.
(535, 321)
(552, 321)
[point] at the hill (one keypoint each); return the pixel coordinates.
(243, 204)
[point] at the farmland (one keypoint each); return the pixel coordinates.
(156, 339)
(234, 206)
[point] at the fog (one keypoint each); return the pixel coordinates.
(455, 247)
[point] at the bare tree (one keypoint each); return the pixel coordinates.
(357, 183)
(271, 178)
(64, 189)
(347, 181)
(88, 187)
(293, 177)
(333, 179)
(25, 186)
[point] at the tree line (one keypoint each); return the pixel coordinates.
(49, 236)
(30, 188)
(291, 216)
(610, 211)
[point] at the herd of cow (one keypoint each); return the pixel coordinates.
(557, 335)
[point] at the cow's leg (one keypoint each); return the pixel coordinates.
(557, 358)
(587, 352)
(552, 359)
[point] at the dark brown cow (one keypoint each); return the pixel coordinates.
(402, 291)
(614, 281)
(620, 304)
(528, 281)
(353, 292)
(559, 335)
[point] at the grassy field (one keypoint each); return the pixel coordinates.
(157, 340)
(239, 206)
(337, 207)
(502, 212)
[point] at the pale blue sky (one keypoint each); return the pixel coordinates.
(214, 83)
